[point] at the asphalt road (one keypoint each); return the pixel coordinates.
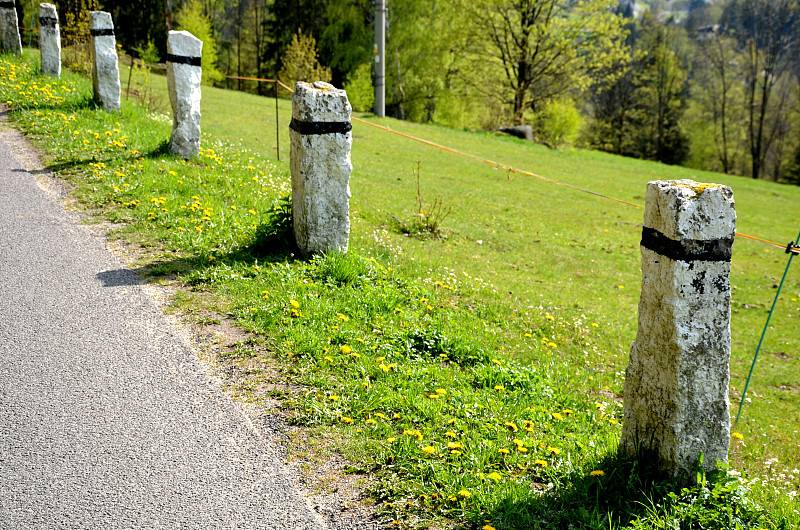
(107, 420)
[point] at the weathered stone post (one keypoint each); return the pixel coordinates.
(105, 63)
(184, 75)
(676, 387)
(49, 40)
(320, 166)
(9, 27)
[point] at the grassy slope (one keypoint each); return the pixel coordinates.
(539, 245)
(545, 244)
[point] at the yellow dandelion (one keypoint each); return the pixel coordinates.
(346, 349)
(295, 304)
(328, 358)
(428, 449)
(464, 493)
(541, 463)
(597, 473)
(450, 434)
(504, 451)
(738, 436)
(499, 388)
(441, 391)
(554, 450)
(557, 416)
(347, 420)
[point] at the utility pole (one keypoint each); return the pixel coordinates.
(379, 53)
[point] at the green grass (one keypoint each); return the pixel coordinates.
(507, 339)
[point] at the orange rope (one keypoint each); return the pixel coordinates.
(496, 164)
(793, 249)
(250, 78)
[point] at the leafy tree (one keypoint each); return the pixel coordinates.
(192, 18)
(345, 42)
(640, 113)
(717, 90)
(300, 62)
(768, 33)
(545, 48)
(287, 18)
(558, 123)
(660, 81)
(430, 74)
(359, 89)
(136, 23)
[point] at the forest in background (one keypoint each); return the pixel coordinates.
(710, 84)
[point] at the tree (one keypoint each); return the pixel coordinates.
(300, 62)
(717, 90)
(768, 32)
(193, 19)
(345, 42)
(286, 18)
(136, 23)
(639, 114)
(661, 93)
(545, 48)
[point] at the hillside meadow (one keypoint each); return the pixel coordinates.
(476, 374)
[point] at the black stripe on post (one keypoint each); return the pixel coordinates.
(7, 5)
(180, 59)
(102, 32)
(688, 249)
(49, 22)
(320, 127)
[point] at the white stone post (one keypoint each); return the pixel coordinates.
(105, 63)
(184, 75)
(320, 167)
(49, 40)
(9, 27)
(676, 387)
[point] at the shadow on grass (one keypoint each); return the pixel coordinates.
(159, 151)
(631, 492)
(272, 242)
(618, 491)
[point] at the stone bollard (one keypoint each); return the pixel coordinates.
(320, 167)
(50, 40)
(676, 387)
(9, 27)
(105, 67)
(184, 75)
